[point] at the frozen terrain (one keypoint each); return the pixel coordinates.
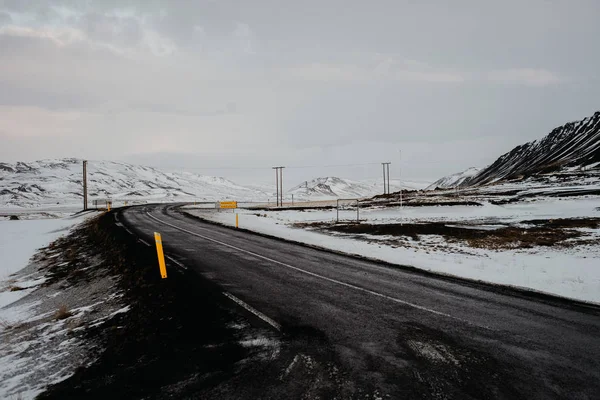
(569, 269)
(454, 180)
(572, 148)
(58, 183)
(20, 240)
(55, 186)
(40, 312)
(330, 187)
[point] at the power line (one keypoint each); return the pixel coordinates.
(166, 166)
(332, 165)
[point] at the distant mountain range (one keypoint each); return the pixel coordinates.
(52, 182)
(333, 187)
(573, 147)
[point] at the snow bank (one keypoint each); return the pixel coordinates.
(19, 241)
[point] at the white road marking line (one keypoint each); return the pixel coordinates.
(348, 285)
(146, 243)
(253, 311)
(177, 262)
(289, 368)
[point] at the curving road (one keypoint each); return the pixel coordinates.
(409, 334)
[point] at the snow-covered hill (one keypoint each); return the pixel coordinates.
(571, 152)
(51, 182)
(333, 187)
(573, 146)
(454, 180)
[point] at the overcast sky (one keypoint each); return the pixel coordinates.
(212, 86)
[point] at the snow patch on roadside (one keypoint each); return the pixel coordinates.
(39, 318)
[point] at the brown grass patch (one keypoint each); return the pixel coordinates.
(63, 312)
(543, 233)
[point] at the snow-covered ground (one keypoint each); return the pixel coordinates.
(539, 209)
(32, 341)
(19, 240)
(572, 272)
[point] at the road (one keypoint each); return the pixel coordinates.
(409, 334)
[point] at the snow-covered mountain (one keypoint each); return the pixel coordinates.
(331, 187)
(51, 182)
(571, 151)
(573, 146)
(454, 180)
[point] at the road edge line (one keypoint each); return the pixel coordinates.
(253, 310)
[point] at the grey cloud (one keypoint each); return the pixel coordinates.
(5, 18)
(312, 78)
(228, 109)
(17, 95)
(124, 31)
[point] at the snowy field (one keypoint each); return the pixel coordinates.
(572, 272)
(19, 241)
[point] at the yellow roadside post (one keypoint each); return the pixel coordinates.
(237, 220)
(161, 255)
(108, 206)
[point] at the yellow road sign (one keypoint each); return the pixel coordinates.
(228, 204)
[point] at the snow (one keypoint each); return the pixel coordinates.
(58, 183)
(454, 180)
(330, 187)
(571, 148)
(56, 186)
(19, 241)
(568, 272)
(545, 209)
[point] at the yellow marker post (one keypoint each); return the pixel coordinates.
(237, 220)
(108, 206)
(161, 255)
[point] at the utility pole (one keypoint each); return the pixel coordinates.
(85, 194)
(400, 175)
(383, 166)
(279, 184)
(386, 177)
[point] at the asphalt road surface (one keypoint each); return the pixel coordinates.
(406, 333)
